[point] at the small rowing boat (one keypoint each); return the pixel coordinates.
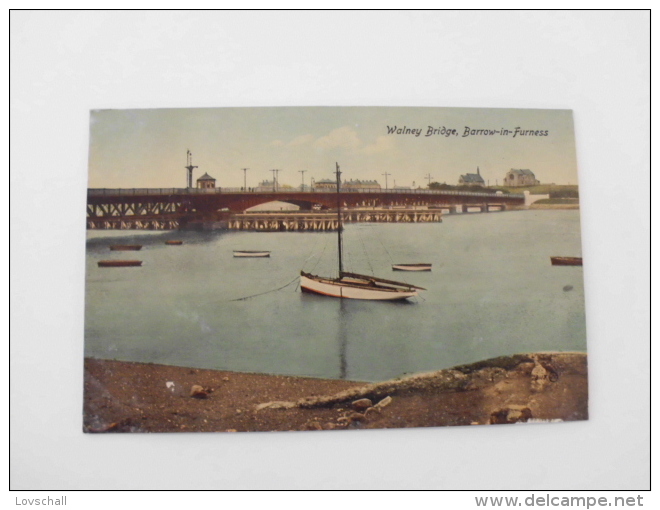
(411, 267)
(174, 243)
(566, 261)
(126, 247)
(119, 263)
(251, 253)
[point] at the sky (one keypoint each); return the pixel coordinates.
(147, 148)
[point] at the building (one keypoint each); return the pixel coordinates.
(266, 186)
(352, 185)
(516, 177)
(358, 185)
(206, 182)
(471, 179)
(325, 184)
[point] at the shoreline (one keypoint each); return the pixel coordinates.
(125, 396)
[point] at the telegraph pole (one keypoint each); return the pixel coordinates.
(303, 179)
(273, 178)
(386, 174)
(245, 178)
(428, 176)
(189, 166)
(276, 179)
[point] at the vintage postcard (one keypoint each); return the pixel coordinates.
(332, 268)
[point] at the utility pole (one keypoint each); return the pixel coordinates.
(386, 174)
(428, 176)
(189, 166)
(303, 179)
(273, 178)
(276, 181)
(339, 225)
(245, 178)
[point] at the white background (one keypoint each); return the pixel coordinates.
(65, 63)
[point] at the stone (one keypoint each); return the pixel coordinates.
(275, 405)
(362, 404)
(384, 402)
(510, 414)
(198, 392)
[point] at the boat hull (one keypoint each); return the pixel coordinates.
(119, 263)
(251, 254)
(126, 247)
(411, 267)
(352, 289)
(566, 261)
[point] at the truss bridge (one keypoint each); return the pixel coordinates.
(177, 208)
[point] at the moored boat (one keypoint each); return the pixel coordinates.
(126, 247)
(357, 286)
(353, 285)
(251, 253)
(119, 263)
(411, 267)
(566, 261)
(174, 243)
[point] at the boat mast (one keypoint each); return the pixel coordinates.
(339, 225)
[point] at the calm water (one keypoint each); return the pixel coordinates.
(492, 292)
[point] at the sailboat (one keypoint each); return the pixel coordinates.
(354, 285)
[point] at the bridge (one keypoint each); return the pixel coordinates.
(177, 208)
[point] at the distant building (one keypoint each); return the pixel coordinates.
(266, 186)
(353, 184)
(471, 179)
(325, 184)
(206, 182)
(357, 184)
(516, 177)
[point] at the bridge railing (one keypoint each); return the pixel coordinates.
(213, 191)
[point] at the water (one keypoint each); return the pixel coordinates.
(492, 292)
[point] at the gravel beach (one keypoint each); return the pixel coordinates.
(140, 397)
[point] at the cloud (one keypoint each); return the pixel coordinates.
(343, 137)
(382, 144)
(300, 140)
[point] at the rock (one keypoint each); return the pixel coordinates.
(275, 405)
(313, 425)
(510, 414)
(362, 404)
(356, 417)
(383, 403)
(542, 374)
(198, 392)
(225, 379)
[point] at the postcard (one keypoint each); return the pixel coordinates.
(332, 268)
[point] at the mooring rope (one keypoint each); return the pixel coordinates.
(267, 292)
(296, 279)
(366, 255)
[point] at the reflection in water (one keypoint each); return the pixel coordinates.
(342, 336)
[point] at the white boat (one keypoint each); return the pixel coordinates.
(353, 285)
(411, 267)
(251, 253)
